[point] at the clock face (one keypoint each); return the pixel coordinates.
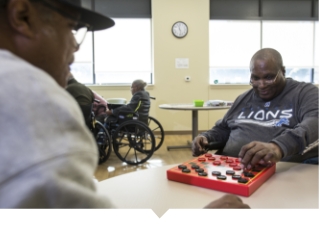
(179, 29)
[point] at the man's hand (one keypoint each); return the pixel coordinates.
(198, 145)
(227, 201)
(108, 112)
(259, 153)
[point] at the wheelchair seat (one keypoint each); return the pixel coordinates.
(112, 122)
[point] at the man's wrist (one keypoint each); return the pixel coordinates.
(277, 150)
(203, 136)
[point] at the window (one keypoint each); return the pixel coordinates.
(316, 53)
(117, 55)
(232, 44)
(293, 39)
(82, 68)
(123, 53)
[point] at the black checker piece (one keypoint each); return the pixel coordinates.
(230, 172)
(248, 174)
(186, 170)
(222, 177)
(182, 166)
(242, 180)
(195, 167)
(216, 173)
(236, 177)
(200, 170)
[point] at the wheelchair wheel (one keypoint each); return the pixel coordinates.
(103, 141)
(157, 131)
(133, 142)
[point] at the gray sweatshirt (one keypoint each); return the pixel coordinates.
(47, 155)
(289, 120)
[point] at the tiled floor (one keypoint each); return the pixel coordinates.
(114, 166)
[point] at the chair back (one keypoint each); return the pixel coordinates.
(143, 110)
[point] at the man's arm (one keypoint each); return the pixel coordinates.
(293, 140)
(61, 182)
(52, 161)
(219, 133)
(130, 107)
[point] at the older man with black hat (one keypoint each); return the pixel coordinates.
(47, 154)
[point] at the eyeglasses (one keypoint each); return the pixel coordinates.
(255, 82)
(79, 31)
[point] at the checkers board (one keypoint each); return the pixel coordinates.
(221, 173)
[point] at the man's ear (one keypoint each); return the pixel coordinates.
(283, 69)
(21, 14)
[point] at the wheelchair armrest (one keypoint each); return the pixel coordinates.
(127, 115)
(128, 112)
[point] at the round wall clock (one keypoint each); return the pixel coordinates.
(179, 29)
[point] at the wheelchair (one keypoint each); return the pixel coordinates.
(132, 140)
(152, 123)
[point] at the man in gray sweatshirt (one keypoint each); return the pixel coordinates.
(275, 120)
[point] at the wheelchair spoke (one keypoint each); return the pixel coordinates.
(139, 139)
(157, 131)
(127, 153)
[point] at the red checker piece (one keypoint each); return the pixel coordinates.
(208, 155)
(229, 161)
(237, 160)
(233, 164)
(211, 158)
(217, 163)
(223, 158)
(201, 159)
(237, 168)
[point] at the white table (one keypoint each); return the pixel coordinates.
(292, 186)
(194, 110)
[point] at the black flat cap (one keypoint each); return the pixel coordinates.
(96, 20)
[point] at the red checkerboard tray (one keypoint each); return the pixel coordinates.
(221, 173)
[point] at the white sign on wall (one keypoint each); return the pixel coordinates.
(182, 63)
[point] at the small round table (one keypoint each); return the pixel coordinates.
(194, 117)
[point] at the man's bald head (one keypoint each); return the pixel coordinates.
(267, 73)
(267, 54)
